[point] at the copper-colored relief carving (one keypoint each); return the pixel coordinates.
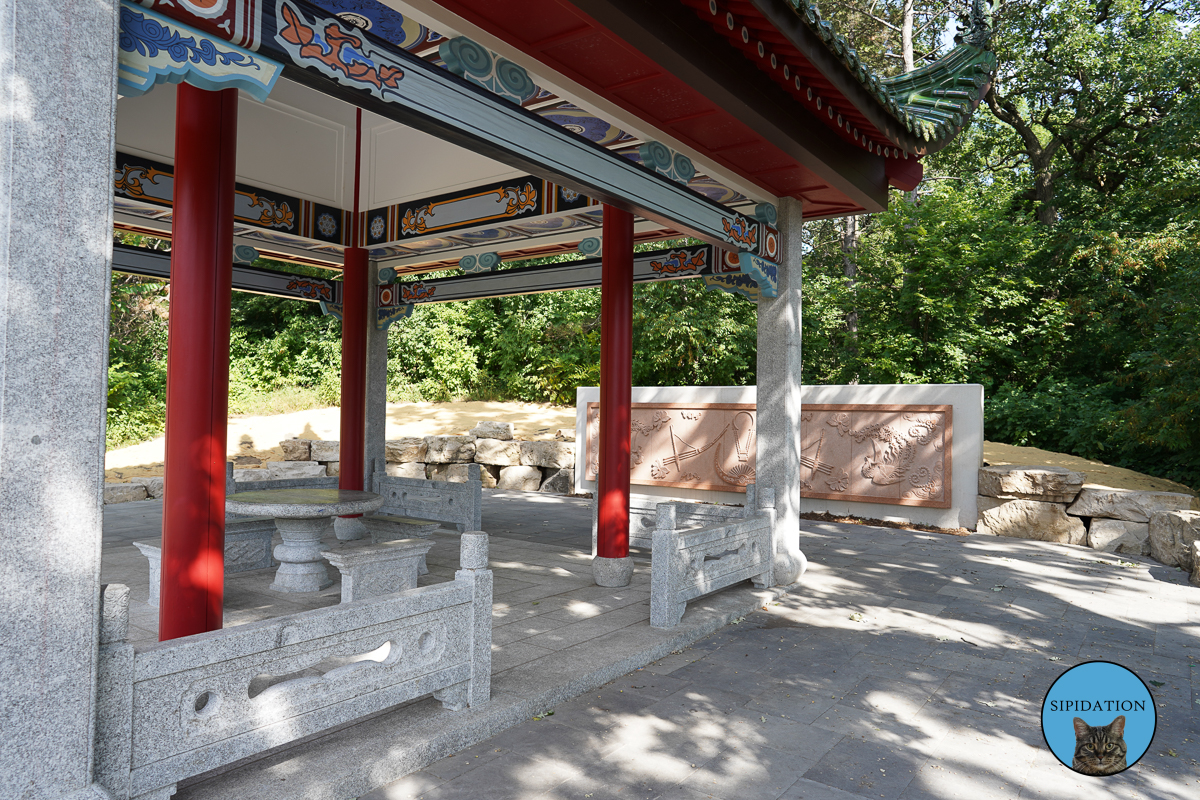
(701, 446)
(877, 454)
(888, 454)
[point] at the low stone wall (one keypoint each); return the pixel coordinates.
(544, 465)
(1052, 504)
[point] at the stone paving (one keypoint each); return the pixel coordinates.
(905, 665)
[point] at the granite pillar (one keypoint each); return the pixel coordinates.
(778, 465)
(57, 132)
(377, 369)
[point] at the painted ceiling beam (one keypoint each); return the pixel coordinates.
(675, 263)
(318, 50)
(687, 47)
(157, 264)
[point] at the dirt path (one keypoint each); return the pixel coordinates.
(258, 438)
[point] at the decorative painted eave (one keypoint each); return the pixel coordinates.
(932, 103)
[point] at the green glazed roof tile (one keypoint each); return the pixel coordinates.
(936, 100)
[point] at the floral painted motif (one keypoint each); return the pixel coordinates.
(128, 180)
(741, 231)
(378, 227)
(678, 261)
(519, 198)
(338, 53)
(413, 220)
(326, 224)
(416, 292)
(313, 290)
(273, 215)
(146, 36)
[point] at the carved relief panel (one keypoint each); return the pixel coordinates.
(889, 454)
(698, 446)
(877, 453)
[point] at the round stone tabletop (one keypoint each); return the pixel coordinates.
(302, 503)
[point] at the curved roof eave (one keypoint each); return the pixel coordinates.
(920, 111)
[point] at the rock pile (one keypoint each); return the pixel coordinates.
(1051, 504)
(538, 466)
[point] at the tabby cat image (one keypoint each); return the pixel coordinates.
(1099, 750)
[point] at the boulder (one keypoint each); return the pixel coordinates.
(128, 492)
(525, 479)
(295, 449)
(1172, 534)
(1030, 519)
(1119, 536)
(279, 470)
(489, 429)
(1127, 505)
(489, 475)
(325, 451)
(1045, 484)
(498, 451)
(409, 469)
(454, 473)
(333, 468)
(548, 453)
(1194, 578)
(402, 451)
(251, 475)
(449, 449)
(558, 481)
(984, 503)
(154, 486)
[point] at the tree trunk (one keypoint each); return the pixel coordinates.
(850, 232)
(906, 36)
(1043, 191)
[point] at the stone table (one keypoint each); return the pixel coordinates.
(302, 517)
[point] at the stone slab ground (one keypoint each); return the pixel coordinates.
(895, 670)
(556, 635)
(904, 665)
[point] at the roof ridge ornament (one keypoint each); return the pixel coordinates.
(976, 30)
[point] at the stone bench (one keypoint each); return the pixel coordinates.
(247, 547)
(376, 569)
(686, 564)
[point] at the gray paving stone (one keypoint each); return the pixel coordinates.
(740, 772)
(867, 768)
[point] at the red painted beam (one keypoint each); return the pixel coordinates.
(616, 383)
(192, 592)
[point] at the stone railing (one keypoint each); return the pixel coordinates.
(685, 564)
(643, 515)
(451, 503)
(172, 710)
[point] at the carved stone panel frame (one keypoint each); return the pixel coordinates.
(892, 454)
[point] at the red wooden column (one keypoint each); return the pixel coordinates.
(356, 303)
(612, 565)
(192, 591)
